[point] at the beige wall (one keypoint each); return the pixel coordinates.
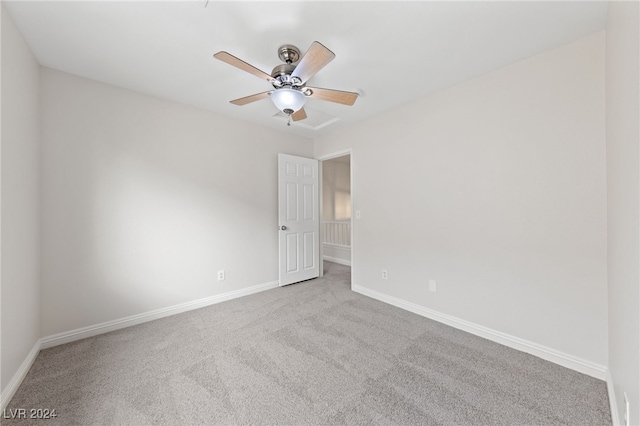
(623, 186)
(145, 199)
(19, 225)
(496, 188)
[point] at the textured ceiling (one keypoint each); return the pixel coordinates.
(392, 53)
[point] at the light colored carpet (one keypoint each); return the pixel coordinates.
(306, 354)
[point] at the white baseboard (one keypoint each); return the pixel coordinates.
(105, 327)
(613, 403)
(337, 260)
(17, 378)
(541, 351)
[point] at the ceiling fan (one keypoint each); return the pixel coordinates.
(290, 91)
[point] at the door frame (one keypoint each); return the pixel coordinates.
(321, 159)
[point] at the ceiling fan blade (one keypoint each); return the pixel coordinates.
(250, 98)
(313, 61)
(337, 96)
(299, 115)
(239, 63)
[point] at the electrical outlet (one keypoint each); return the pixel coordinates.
(627, 420)
(433, 286)
(358, 214)
(221, 275)
(385, 274)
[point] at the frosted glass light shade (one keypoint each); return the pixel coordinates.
(287, 98)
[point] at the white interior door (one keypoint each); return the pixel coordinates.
(298, 218)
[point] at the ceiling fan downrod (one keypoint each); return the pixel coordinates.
(288, 53)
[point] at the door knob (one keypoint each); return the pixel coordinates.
(283, 228)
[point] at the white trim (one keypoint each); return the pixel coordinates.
(613, 403)
(541, 351)
(320, 213)
(335, 155)
(17, 378)
(105, 327)
(337, 260)
(339, 246)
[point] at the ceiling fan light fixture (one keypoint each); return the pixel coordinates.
(288, 99)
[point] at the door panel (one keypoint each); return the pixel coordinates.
(298, 217)
(309, 250)
(292, 253)
(292, 201)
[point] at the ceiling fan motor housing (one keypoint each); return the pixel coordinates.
(282, 69)
(282, 76)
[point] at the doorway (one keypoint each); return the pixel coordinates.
(335, 212)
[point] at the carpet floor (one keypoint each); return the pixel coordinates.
(306, 354)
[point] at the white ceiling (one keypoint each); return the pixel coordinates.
(392, 53)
